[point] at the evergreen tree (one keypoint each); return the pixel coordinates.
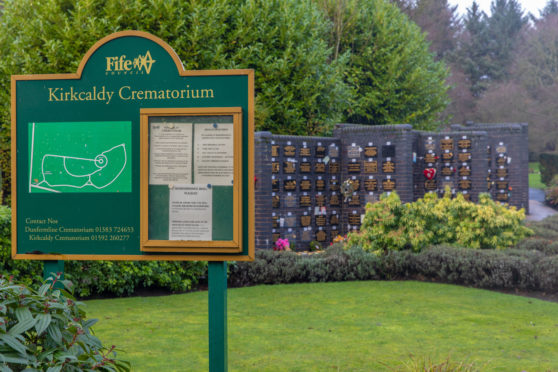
(551, 8)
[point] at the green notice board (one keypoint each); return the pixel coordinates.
(81, 159)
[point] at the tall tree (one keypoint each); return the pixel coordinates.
(551, 8)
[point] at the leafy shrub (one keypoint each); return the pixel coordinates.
(391, 225)
(549, 166)
(551, 192)
(47, 330)
(546, 229)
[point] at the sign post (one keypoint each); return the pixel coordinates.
(135, 158)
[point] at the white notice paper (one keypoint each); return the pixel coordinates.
(190, 216)
(214, 155)
(170, 153)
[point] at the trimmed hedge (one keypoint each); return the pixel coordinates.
(549, 166)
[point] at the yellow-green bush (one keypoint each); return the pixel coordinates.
(391, 225)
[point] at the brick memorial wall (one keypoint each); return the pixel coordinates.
(315, 188)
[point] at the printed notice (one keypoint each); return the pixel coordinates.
(170, 153)
(190, 208)
(214, 155)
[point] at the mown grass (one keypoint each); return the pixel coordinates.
(349, 326)
(535, 176)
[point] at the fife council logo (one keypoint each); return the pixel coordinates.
(123, 65)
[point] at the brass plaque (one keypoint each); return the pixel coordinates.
(289, 150)
(356, 185)
(290, 201)
(320, 200)
(388, 185)
(371, 184)
(306, 236)
(467, 197)
(289, 185)
(305, 151)
(501, 172)
(334, 219)
(289, 167)
(502, 196)
(501, 149)
(430, 185)
(353, 152)
(370, 151)
(501, 160)
(371, 167)
(320, 185)
(334, 200)
(275, 237)
(370, 198)
(447, 184)
(321, 236)
(464, 144)
(305, 201)
(305, 185)
(464, 171)
(334, 185)
(463, 157)
(305, 167)
(355, 201)
(334, 233)
(334, 168)
(305, 221)
(353, 167)
(464, 184)
(447, 156)
(275, 185)
(447, 171)
(333, 151)
(274, 151)
(320, 220)
(319, 167)
(354, 219)
(446, 144)
(290, 221)
(320, 151)
(275, 201)
(430, 158)
(388, 167)
(388, 151)
(502, 185)
(275, 222)
(430, 146)
(275, 167)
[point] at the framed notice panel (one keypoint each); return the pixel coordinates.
(133, 158)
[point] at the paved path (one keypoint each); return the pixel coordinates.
(538, 211)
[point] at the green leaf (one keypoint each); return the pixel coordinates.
(22, 326)
(23, 313)
(5, 368)
(43, 321)
(13, 342)
(54, 369)
(44, 289)
(54, 333)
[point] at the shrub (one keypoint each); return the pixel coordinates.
(551, 192)
(47, 330)
(549, 167)
(391, 225)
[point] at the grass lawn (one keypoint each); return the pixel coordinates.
(350, 326)
(535, 176)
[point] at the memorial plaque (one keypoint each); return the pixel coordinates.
(430, 158)
(305, 221)
(502, 196)
(289, 185)
(290, 221)
(447, 156)
(354, 219)
(466, 196)
(388, 167)
(320, 185)
(305, 167)
(501, 172)
(353, 152)
(333, 151)
(289, 167)
(464, 171)
(502, 185)
(275, 201)
(388, 185)
(334, 219)
(275, 237)
(464, 157)
(305, 185)
(355, 201)
(430, 185)
(305, 151)
(447, 171)
(290, 201)
(275, 167)
(370, 167)
(334, 168)
(334, 233)
(305, 201)
(306, 235)
(430, 146)
(353, 167)
(501, 160)
(464, 144)
(371, 185)
(274, 151)
(370, 151)
(321, 236)
(320, 151)
(275, 222)
(334, 185)
(447, 184)
(289, 150)
(501, 149)
(334, 200)
(388, 151)
(446, 144)
(291, 236)
(464, 184)
(320, 220)
(370, 198)
(356, 184)
(275, 185)
(319, 168)
(320, 200)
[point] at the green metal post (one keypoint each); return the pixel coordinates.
(218, 356)
(53, 267)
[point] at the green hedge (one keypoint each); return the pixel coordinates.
(549, 166)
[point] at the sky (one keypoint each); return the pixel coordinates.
(531, 6)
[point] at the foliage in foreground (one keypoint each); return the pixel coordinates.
(391, 225)
(46, 330)
(551, 193)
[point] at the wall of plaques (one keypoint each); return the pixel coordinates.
(315, 188)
